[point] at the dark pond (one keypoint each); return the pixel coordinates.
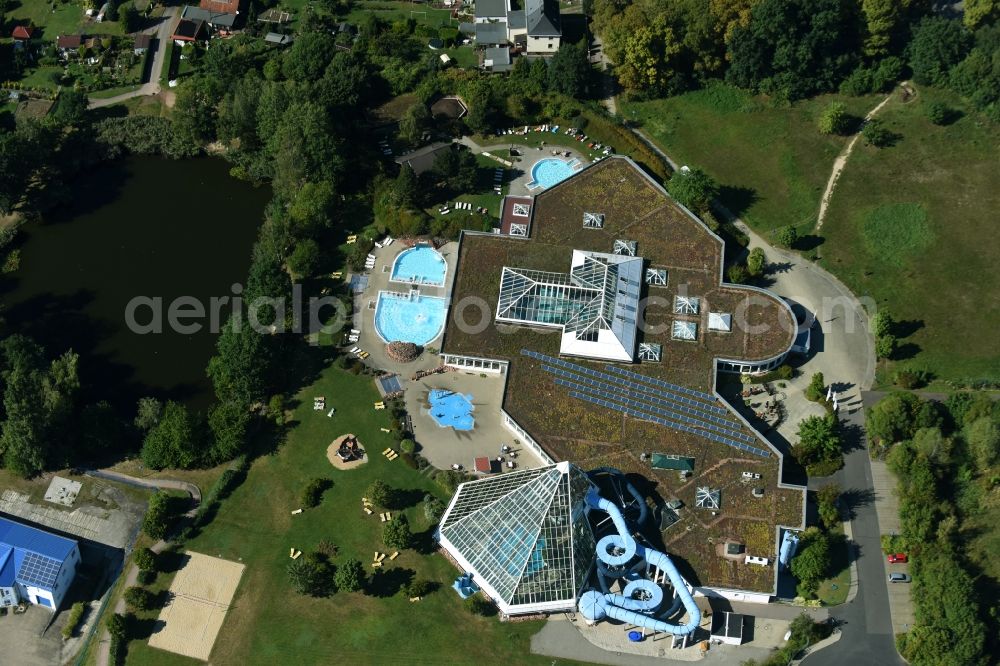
(139, 227)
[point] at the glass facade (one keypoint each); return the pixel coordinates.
(525, 535)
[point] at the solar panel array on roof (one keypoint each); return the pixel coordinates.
(39, 570)
(636, 400)
(659, 382)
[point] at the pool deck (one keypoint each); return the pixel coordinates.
(446, 446)
(520, 175)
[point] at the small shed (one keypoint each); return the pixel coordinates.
(728, 627)
(22, 33)
(277, 38)
(141, 42)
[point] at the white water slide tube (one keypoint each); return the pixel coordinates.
(596, 606)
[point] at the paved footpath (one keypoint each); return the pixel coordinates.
(104, 645)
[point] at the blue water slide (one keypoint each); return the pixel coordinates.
(640, 500)
(626, 607)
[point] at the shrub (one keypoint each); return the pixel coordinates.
(478, 605)
(312, 494)
(73, 619)
(881, 323)
(834, 119)
(885, 346)
(418, 587)
(409, 460)
(309, 575)
(894, 543)
(876, 134)
(816, 390)
(756, 262)
(938, 113)
(327, 548)
(433, 509)
(907, 379)
(826, 504)
(407, 446)
(157, 520)
(786, 236)
(396, 533)
(737, 274)
(145, 577)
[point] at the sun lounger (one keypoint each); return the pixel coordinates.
(336, 275)
(363, 355)
(355, 331)
(379, 405)
(355, 350)
(291, 552)
(296, 512)
(385, 430)
(392, 456)
(376, 565)
(394, 555)
(296, 554)
(380, 557)
(333, 410)
(368, 511)
(386, 452)
(414, 599)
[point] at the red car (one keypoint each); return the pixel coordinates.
(897, 558)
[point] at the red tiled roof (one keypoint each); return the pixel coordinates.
(222, 6)
(22, 32)
(69, 41)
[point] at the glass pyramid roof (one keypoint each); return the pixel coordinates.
(524, 535)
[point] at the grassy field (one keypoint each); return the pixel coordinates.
(833, 591)
(770, 160)
(913, 227)
(399, 11)
(269, 622)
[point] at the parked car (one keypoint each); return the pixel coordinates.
(897, 558)
(898, 578)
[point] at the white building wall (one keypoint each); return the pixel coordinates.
(8, 596)
(734, 595)
(543, 44)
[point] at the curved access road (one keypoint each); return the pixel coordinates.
(104, 645)
(161, 33)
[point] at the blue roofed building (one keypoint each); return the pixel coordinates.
(35, 566)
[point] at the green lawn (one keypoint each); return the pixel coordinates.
(833, 591)
(397, 11)
(117, 90)
(269, 623)
(913, 227)
(464, 56)
(67, 18)
(770, 159)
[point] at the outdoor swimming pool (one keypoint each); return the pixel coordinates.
(550, 171)
(421, 264)
(451, 410)
(417, 319)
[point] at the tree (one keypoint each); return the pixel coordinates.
(826, 503)
(569, 70)
(145, 559)
(148, 413)
(310, 211)
(876, 134)
(793, 48)
(396, 533)
(786, 236)
(229, 423)
(737, 274)
(418, 587)
(937, 45)
(379, 493)
(938, 113)
(812, 562)
(70, 108)
(890, 420)
(239, 368)
(885, 346)
(309, 56)
(983, 437)
(173, 442)
(138, 598)
(693, 188)
(819, 440)
(305, 258)
(884, 20)
(128, 16)
(980, 12)
(194, 114)
(882, 323)
(158, 516)
(405, 188)
(456, 168)
(756, 262)
(117, 626)
(415, 121)
(835, 119)
(407, 446)
(309, 576)
(350, 576)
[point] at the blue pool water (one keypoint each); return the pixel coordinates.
(451, 410)
(550, 171)
(421, 264)
(418, 319)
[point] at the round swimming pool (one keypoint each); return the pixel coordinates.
(417, 319)
(421, 264)
(549, 171)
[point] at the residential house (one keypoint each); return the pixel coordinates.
(141, 42)
(68, 43)
(533, 30)
(218, 20)
(422, 159)
(188, 30)
(22, 33)
(35, 566)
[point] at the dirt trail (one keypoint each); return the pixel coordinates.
(841, 162)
